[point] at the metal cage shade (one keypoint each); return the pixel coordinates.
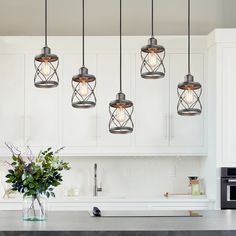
(83, 81)
(189, 93)
(46, 65)
(152, 56)
(121, 111)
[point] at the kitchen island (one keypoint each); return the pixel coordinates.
(80, 223)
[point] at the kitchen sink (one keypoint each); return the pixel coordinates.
(147, 213)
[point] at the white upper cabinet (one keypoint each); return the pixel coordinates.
(42, 118)
(222, 96)
(79, 126)
(12, 121)
(227, 84)
(108, 76)
(42, 111)
(186, 131)
(151, 109)
(221, 54)
(159, 129)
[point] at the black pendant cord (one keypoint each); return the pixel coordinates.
(152, 31)
(120, 47)
(46, 23)
(189, 45)
(83, 32)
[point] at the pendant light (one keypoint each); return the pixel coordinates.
(152, 56)
(46, 64)
(189, 91)
(83, 84)
(121, 110)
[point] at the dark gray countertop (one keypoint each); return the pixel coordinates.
(81, 223)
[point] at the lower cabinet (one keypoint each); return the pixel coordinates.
(124, 204)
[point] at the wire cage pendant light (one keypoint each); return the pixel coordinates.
(152, 56)
(189, 91)
(120, 109)
(46, 64)
(83, 84)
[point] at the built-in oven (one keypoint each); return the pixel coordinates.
(228, 188)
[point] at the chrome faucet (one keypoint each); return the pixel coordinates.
(96, 189)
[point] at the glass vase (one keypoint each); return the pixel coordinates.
(34, 208)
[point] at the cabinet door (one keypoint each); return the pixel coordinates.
(42, 111)
(151, 108)
(228, 112)
(79, 126)
(12, 99)
(185, 131)
(108, 86)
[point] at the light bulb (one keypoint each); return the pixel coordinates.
(83, 88)
(152, 60)
(46, 69)
(120, 114)
(189, 97)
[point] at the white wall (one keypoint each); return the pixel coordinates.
(129, 176)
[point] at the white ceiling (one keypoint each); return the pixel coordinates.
(26, 17)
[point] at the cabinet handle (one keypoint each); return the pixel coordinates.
(171, 126)
(165, 130)
(99, 125)
(27, 136)
(22, 131)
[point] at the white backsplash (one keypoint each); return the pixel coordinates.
(128, 176)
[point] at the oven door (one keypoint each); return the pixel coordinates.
(228, 193)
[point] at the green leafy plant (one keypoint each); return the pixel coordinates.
(33, 176)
